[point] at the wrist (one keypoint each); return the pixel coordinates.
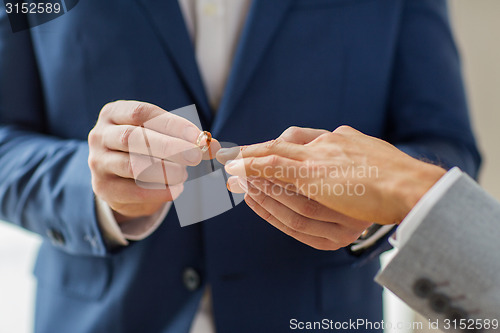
(124, 213)
(415, 182)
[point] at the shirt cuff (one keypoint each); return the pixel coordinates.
(422, 208)
(136, 229)
(376, 233)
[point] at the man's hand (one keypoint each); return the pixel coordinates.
(298, 216)
(291, 212)
(139, 143)
(354, 174)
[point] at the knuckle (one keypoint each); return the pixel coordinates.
(125, 135)
(127, 167)
(166, 151)
(168, 122)
(272, 160)
(344, 129)
(253, 167)
(291, 132)
(328, 136)
(267, 216)
(94, 137)
(241, 153)
(261, 199)
(273, 144)
(139, 113)
(310, 208)
(298, 223)
(93, 162)
(107, 109)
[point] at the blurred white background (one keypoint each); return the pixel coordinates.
(477, 30)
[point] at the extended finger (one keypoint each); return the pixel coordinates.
(292, 219)
(152, 117)
(301, 135)
(319, 243)
(124, 191)
(140, 140)
(287, 195)
(233, 184)
(274, 166)
(274, 147)
(144, 168)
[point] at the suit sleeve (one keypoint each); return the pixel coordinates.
(45, 182)
(428, 114)
(451, 256)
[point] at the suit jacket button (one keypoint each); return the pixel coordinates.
(423, 287)
(191, 279)
(56, 237)
(439, 303)
(456, 314)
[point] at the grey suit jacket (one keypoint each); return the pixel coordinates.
(450, 267)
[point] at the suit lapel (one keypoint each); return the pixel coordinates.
(263, 21)
(168, 23)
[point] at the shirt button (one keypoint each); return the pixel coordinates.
(191, 279)
(210, 9)
(439, 302)
(56, 237)
(423, 287)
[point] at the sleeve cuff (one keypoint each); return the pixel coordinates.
(379, 232)
(422, 208)
(137, 229)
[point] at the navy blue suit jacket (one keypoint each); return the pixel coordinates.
(388, 68)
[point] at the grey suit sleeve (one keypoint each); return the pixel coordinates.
(449, 268)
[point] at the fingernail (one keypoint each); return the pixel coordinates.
(233, 185)
(191, 134)
(230, 153)
(234, 164)
(192, 155)
(243, 184)
(223, 151)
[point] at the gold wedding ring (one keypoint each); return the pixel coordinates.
(204, 140)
